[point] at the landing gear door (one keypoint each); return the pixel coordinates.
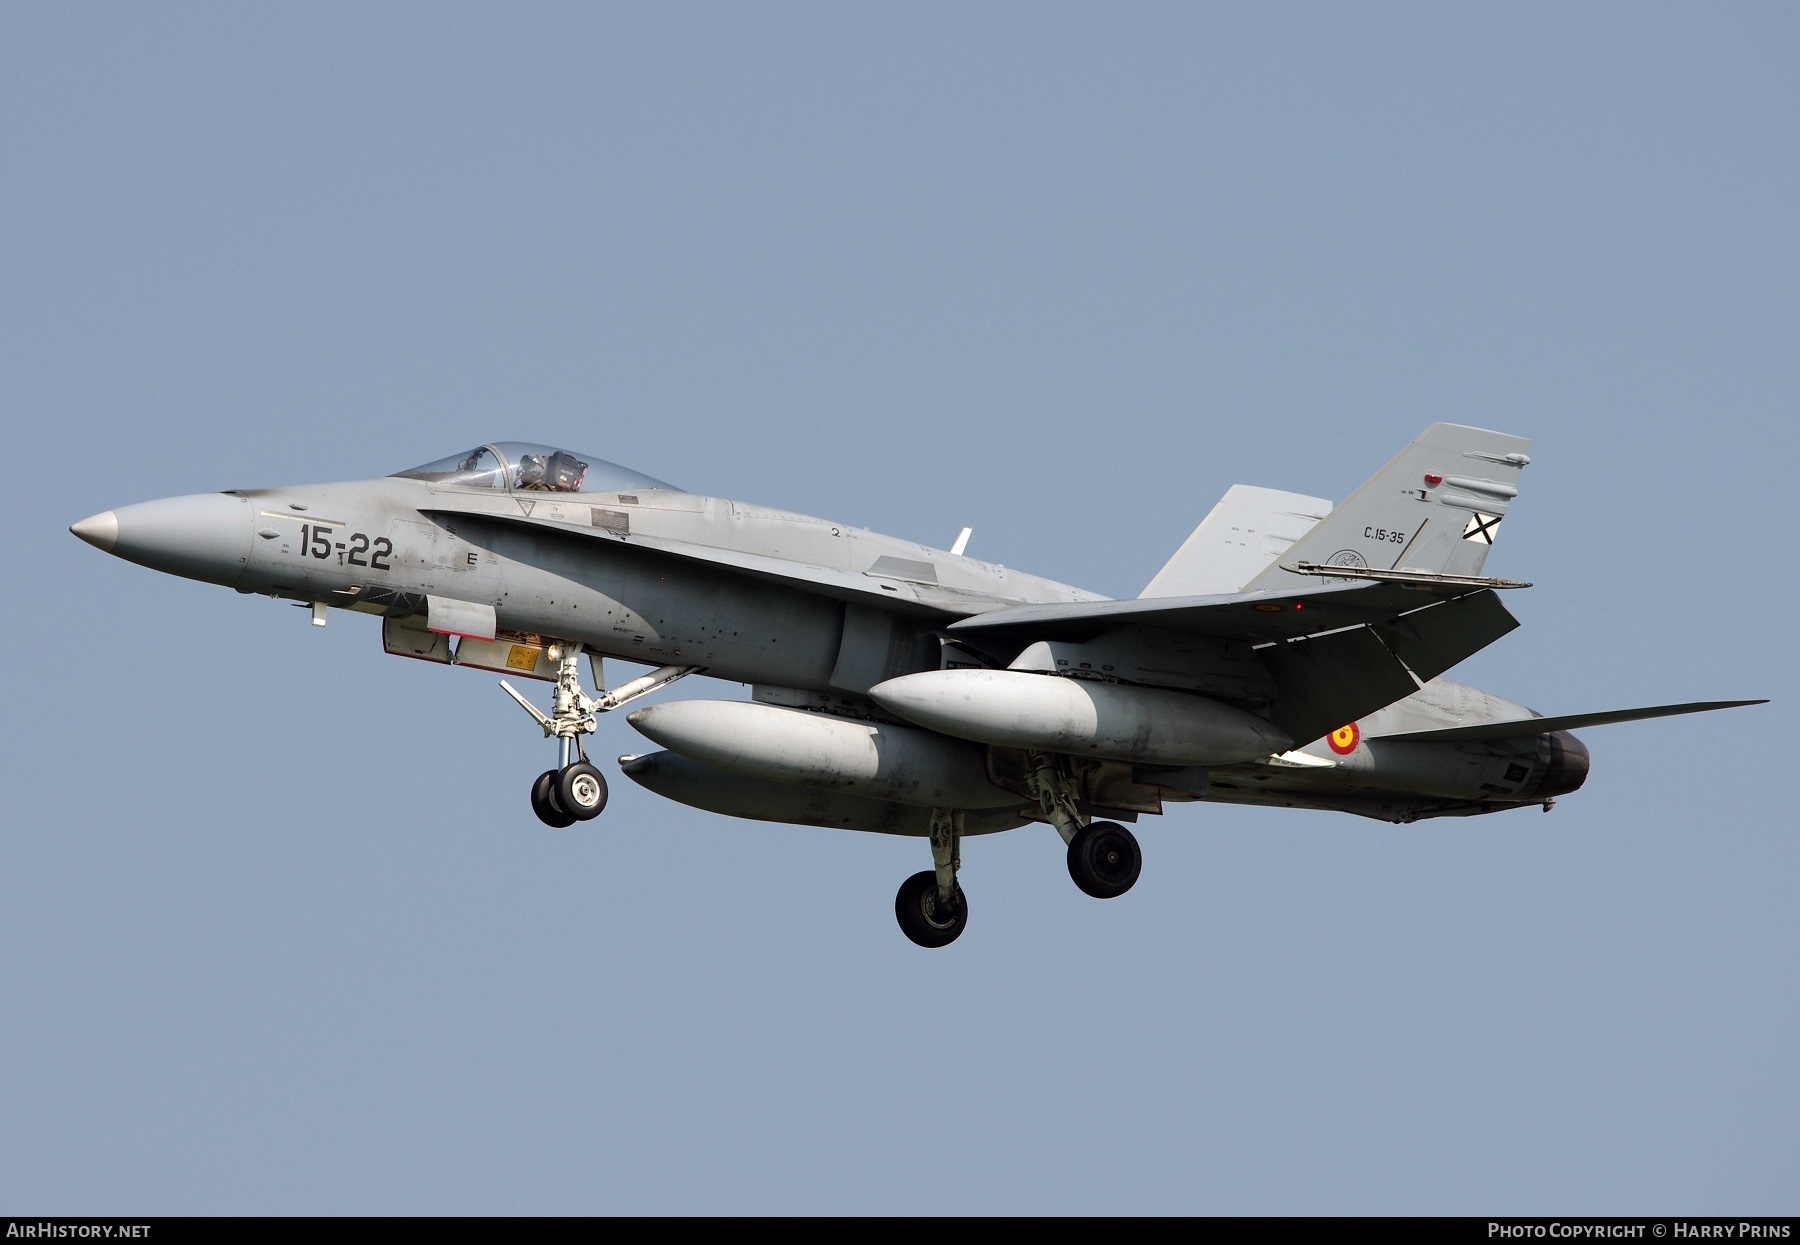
(509, 653)
(408, 637)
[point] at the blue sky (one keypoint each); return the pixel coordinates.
(277, 929)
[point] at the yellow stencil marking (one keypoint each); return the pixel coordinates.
(519, 657)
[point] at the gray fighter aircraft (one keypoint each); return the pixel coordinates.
(1291, 653)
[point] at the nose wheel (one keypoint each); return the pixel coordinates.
(581, 791)
(543, 801)
(562, 797)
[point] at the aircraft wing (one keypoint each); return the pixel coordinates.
(1337, 652)
(923, 600)
(1519, 727)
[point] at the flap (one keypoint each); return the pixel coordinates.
(1254, 617)
(1432, 640)
(1328, 680)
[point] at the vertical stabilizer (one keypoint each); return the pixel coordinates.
(1436, 507)
(1247, 531)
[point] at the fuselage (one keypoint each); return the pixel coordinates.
(784, 601)
(382, 546)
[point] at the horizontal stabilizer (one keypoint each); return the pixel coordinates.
(1520, 727)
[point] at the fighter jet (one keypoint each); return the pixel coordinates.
(1292, 653)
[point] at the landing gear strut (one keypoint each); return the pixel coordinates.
(930, 907)
(1104, 858)
(575, 790)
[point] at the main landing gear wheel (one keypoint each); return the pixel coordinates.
(922, 918)
(1104, 859)
(581, 791)
(543, 801)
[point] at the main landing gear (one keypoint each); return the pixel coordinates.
(575, 790)
(1104, 858)
(930, 907)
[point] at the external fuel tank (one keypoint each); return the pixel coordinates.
(881, 760)
(1053, 713)
(690, 782)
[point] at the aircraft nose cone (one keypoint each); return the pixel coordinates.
(203, 536)
(99, 530)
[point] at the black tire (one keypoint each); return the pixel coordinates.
(543, 801)
(581, 791)
(916, 908)
(1104, 859)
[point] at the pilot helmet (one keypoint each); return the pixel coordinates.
(566, 471)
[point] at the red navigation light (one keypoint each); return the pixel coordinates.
(1433, 479)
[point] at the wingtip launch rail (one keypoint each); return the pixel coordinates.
(1405, 576)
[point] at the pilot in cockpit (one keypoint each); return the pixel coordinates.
(557, 472)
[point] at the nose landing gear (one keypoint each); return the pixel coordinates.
(562, 797)
(576, 791)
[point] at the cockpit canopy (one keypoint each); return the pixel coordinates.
(527, 467)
